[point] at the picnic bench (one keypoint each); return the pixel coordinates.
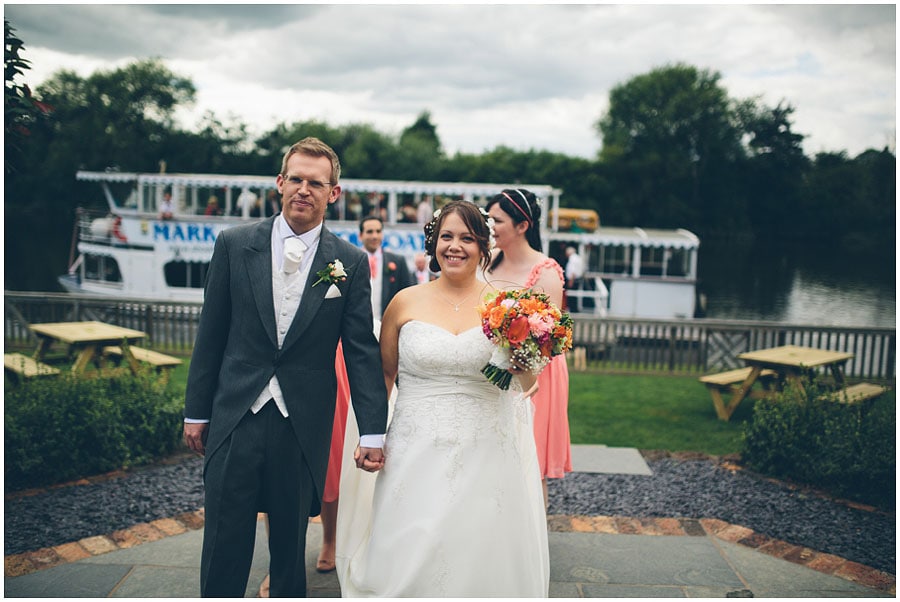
(160, 361)
(857, 393)
(20, 366)
(738, 383)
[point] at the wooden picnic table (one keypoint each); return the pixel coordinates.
(776, 365)
(793, 362)
(88, 338)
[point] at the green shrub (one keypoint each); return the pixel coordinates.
(58, 429)
(847, 449)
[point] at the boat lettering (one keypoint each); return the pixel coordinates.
(184, 232)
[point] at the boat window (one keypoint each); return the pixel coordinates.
(679, 262)
(614, 259)
(652, 260)
(185, 274)
(101, 268)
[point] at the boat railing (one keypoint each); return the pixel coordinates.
(684, 346)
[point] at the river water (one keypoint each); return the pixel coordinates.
(796, 284)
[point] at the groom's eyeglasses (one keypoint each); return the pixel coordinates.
(314, 185)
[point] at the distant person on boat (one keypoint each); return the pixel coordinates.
(260, 396)
(424, 211)
(166, 208)
(518, 262)
(422, 273)
(212, 207)
(246, 199)
(574, 277)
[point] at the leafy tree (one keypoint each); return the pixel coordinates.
(670, 143)
(419, 151)
(20, 108)
(774, 171)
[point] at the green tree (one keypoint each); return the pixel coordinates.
(775, 167)
(419, 151)
(670, 142)
(20, 109)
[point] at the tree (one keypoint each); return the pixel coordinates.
(775, 168)
(419, 150)
(20, 108)
(670, 143)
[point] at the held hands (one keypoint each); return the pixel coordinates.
(195, 436)
(370, 459)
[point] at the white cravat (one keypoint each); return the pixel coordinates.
(294, 249)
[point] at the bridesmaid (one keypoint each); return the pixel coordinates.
(518, 262)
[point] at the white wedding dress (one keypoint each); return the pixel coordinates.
(457, 510)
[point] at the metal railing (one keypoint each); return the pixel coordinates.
(684, 346)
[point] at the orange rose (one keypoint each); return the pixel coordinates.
(496, 316)
(518, 330)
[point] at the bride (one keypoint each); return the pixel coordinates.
(457, 510)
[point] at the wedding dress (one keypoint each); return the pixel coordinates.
(457, 510)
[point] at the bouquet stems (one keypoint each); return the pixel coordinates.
(498, 376)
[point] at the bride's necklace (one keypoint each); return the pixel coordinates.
(455, 305)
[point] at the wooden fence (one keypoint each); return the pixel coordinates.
(684, 346)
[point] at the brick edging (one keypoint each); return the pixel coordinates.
(16, 565)
(818, 561)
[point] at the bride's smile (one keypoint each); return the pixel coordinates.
(456, 244)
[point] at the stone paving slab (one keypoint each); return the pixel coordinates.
(608, 460)
(590, 556)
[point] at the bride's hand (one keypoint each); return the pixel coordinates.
(527, 379)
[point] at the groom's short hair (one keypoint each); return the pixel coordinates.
(315, 148)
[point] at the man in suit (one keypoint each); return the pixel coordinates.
(388, 271)
(261, 389)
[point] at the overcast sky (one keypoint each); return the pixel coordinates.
(525, 76)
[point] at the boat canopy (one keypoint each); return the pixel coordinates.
(642, 237)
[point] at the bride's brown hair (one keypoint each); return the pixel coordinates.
(472, 217)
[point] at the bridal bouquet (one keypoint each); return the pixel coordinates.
(526, 326)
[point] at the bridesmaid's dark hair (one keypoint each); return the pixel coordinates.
(520, 205)
(474, 220)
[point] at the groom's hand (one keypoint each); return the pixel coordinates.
(195, 436)
(370, 459)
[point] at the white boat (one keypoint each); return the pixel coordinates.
(129, 250)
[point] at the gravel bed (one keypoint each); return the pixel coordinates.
(688, 488)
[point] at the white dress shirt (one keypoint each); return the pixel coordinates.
(377, 283)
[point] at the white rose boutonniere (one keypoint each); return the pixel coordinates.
(333, 273)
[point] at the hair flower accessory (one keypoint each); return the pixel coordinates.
(492, 242)
(333, 273)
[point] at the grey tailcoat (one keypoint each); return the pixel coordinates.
(236, 351)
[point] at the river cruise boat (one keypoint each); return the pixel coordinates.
(154, 237)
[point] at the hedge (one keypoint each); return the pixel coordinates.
(58, 429)
(804, 435)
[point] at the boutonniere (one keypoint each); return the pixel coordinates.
(392, 267)
(332, 273)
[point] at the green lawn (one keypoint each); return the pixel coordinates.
(673, 413)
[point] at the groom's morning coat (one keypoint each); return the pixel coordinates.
(236, 351)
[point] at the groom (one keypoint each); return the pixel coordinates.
(261, 390)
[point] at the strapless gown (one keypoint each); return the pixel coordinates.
(457, 510)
